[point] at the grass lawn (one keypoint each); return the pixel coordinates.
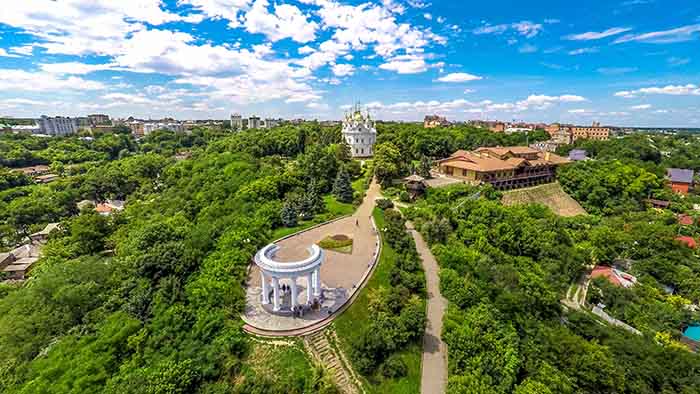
(348, 325)
(287, 364)
(334, 209)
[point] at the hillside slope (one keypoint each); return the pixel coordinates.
(551, 195)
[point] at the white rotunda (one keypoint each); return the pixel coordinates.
(359, 132)
(272, 271)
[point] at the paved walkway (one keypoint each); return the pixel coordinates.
(434, 365)
(342, 274)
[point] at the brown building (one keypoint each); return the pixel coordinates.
(432, 121)
(593, 132)
(680, 180)
(498, 127)
(503, 167)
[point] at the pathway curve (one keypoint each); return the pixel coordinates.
(342, 275)
(434, 365)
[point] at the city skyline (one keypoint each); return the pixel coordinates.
(622, 62)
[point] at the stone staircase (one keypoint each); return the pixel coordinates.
(329, 357)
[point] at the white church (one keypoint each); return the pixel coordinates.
(359, 133)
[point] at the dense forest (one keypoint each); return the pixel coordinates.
(148, 300)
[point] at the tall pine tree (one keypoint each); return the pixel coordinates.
(289, 214)
(342, 188)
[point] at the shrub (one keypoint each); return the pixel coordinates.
(393, 367)
(384, 204)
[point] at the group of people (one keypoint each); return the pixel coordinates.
(300, 310)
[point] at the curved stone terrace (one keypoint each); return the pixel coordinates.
(341, 274)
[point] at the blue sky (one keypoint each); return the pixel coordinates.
(620, 62)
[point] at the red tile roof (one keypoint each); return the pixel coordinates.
(689, 241)
(685, 220)
(601, 271)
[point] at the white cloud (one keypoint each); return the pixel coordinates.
(532, 102)
(459, 77)
(524, 28)
(582, 51)
(305, 50)
(672, 90)
(592, 35)
(343, 70)
(640, 107)
(227, 9)
(25, 50)
(616, 70)
(369, 26)
(3, 53)
(677, 61)
(441, 19)
(428, 16)
(579, 111)
(680, 34)
(286, 22)
(81, 27)
(20, 80)
(406, 64)
(527, 48)
(75, 68)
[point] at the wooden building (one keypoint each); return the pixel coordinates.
(503, 167)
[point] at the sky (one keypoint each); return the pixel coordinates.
(619, 62)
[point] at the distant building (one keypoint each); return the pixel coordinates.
(514, 129)
(498, 127)
(136, 128)
(432, 121)
(34, 129)
(578, 155)
(58, 125)
(567, 134)
(237, 122)
(108, 207)
(99, 120)
(270, 123)
(614, 276)
(254, 122)
(594, 132)
(680, 180)
(359, 132)
(503, 167)
(148, 128)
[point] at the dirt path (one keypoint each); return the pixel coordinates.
(434, 365)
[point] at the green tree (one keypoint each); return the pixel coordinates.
(289, 214)
(388, 163)
(424, 167)
(342, 187)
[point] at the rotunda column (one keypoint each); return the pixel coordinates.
(294, 291)
(265, 288)
(276, 294)
(317, 282)
(309, 287)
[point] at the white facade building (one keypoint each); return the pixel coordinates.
(58, 126)
(272, 272)
(359, 132)
(148, 128)
(237, 122)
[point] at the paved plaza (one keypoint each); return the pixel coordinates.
(341, 273)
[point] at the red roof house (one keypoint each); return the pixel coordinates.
(685, 220)
(614, 276)
(688, 241)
